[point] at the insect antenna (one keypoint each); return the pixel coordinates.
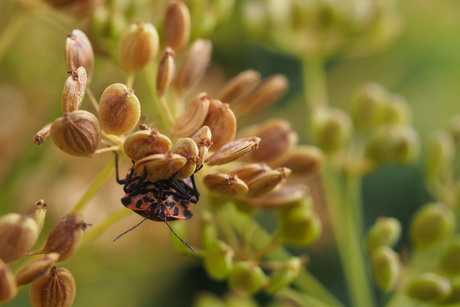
(132, 228)
(186, 244)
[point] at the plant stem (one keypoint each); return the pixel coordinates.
(95, 186)
(314, 83)
(107, 223)
(10, 30)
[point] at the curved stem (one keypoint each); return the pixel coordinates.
(11, 30)
(107, 223)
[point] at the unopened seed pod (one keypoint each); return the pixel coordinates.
(429, 288)
(246, 277)
(266, 182)
(79, 53)
(187, 148)
(450, 257)
(176, 28)
(66, 236)
(440, 154)
(385, 232)
(36, 269)
(431, 224)
(18, 233)
(159, 166)
(119, 109)
(284, 274)
(225, 185)
(277, 138)
(386, 267)
(77, 133)
(454, 296)
(367, 108)
(138, 46)
(239, 86)
(203, 138)
(331, 129)
(166, 71)
(146, 142)
(38, 213)
(304, 160)
(8, 287)
(218, 260)
(194, 65)
(299, 226)
(396, 111)
(74, 90)
(222, 122)
(56, 289)
(233, 150)
(192, 119)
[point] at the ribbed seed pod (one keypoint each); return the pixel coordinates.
(159, 166)
(266, 182)
(249, 171)
(38, 213)
(36, 269)
(56, 289)
(187, 148)
(222, 122)
(176, 28)
(138, 46)
(79, 53)
(74, 90)
(304, 160)
(66, 236)
(225, 185)
(286, 195)
(192, 119)
(119, 109)
(194, 65)
(166, 71)
(18, 233)
(8, 287)
(239, 86)
(203, 138)
(146, 142)
(77, 133)
(233, 150)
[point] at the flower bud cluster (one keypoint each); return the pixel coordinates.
(50, 286)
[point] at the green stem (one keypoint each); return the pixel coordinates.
(314, 83)
(10, 31)
(107, 223)
(95, 186)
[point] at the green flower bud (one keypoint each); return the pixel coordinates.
(431, 224)
(393, 143)
(385, 267)
(284, 274)
(396, 111)
(367, 107)
(331, 129)
(429, 288)
(385, 232)
(450, 258)
(236, 300)
(207, 299)
(299, 226)
(440, 154)
(246, 277)
(18, 234)
(218, 260)
(138, 46)
(208, 229)
(454, 296)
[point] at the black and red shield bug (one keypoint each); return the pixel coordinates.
(163, 200)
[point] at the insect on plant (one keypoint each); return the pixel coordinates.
(163, 200)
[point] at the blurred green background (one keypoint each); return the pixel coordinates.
(142, 268)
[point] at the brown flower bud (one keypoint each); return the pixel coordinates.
(176, 28)
(144, 143)
(222, 122)
(8, 288)
(66, 236)
(270, 90)
(203, 138)
(277, 140)
(56, 289)
(225, 185)
(233, 150)
(119, 109)
(38, 213)
(186, 147)
(18, 233)
(286, 195)
(36, 269)
(77, 133)
(166, 70)
(266, 182)
(137, 46)
(303, 160)
(79, 53)
(192, 119)
(194, 65)
(74, 90)
(159, 166)
(239, 86)
(41, 135)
